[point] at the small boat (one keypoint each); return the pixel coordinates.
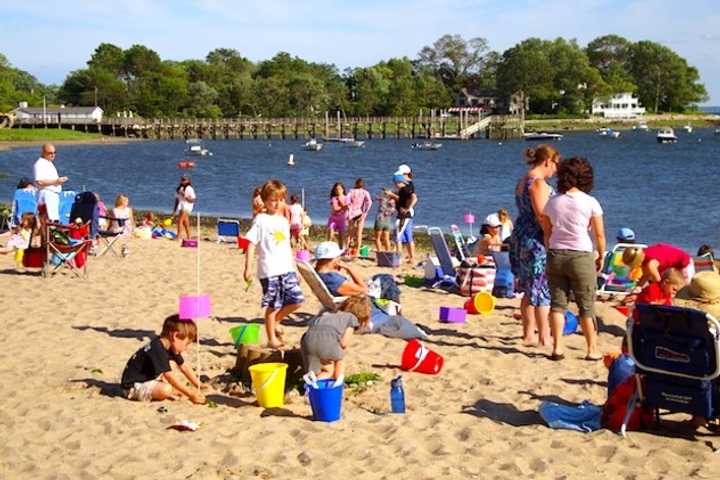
(688, 128)
(313, 145)
(717, 131)
(196, 147)
(666, 135)
(426, 146)
(291, 160)
(642, 126)
(186, 164)
(338, 139)
(356, 144)
(608, 132)
(543, 136)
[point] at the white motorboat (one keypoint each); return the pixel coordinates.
(666, 135)
(313, 145)
(642, 126)
(608, 132)
(542, 136)
(688, 128)
(356, 144)
(426, 146)
(196, 147)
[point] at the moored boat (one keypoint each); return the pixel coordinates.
(543, 136)
(313, 145)
(196, 147)
(426, 146)
(666, 135)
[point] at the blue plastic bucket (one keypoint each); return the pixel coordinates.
(571, 323)
(326, 400)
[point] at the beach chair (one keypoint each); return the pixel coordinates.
(66, 246)
(675, 350)
(228, 230)
(614, 278)
(704, 263)
(107, 238)
(24, 201)
(85, 208)
(311, 277)
(463, 252)
(67, 198)
(449, 276)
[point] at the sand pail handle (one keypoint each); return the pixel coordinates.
(420, 354)
(269, 379)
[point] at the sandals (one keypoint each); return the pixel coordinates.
(593, 358)
(556, 357)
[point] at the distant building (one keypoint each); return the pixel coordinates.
(62, 114)
(622, 105)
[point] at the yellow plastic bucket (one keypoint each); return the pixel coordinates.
(484, 303)
(268, 381)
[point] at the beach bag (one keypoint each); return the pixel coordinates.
(474, 280)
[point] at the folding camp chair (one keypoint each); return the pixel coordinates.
(24, 201)
(462, 248)
(449, 276)
(704, 263)
(614, 277)
(318, 287)
(107, 238)
(675, 350)
(228, 230)
(66, 246)
(67, 199)
(85, 208)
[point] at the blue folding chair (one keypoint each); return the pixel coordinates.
(67, 198)
(24, 201)
(449, 275)
(228, 230)
(675, 350)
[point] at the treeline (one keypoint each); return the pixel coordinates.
(556, 76)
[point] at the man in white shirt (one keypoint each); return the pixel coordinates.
(48, 182)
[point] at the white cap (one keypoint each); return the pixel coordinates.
(327, 251)
(404, 169)
(492, 220)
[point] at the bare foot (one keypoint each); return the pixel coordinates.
(531, 342)
(280, 333)
(275, 344)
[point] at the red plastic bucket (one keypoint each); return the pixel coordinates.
(243, 243)
(418, 358)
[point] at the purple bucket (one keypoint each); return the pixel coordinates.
(452, 315)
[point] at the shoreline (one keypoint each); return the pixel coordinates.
(11, 144)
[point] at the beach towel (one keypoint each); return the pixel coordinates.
(396, 326)
(585, 417)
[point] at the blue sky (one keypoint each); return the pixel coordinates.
(51, 38)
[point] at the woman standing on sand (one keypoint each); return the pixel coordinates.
(184, 202)
(527, 247)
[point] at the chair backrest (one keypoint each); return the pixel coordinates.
(85, 208)
(675, 341)
(460, 244)
(704, 263)
(441, 250)
(317, 285)
(228, 230)
(24, 201)
(615, 275)
(67, 199)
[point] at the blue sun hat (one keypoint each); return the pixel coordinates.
(625, 234)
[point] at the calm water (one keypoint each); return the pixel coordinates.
(664, 192)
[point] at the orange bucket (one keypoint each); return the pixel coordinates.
(482, 303)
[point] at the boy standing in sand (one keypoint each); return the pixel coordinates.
(148, 375)
(270, 234)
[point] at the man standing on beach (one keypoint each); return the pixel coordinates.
(48, 182)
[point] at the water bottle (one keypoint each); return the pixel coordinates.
(397, 395)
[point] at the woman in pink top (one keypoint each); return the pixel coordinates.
(657, 258)
(337, 222)
(573, 261)
(359, 203)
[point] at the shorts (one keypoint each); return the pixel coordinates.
(572, 271)
(356, 217)
(320, 345)
(281, 290)
(51, 200)
(295, 230)
(383, 224)
(337, 223)
(142, 392)
(404, 230)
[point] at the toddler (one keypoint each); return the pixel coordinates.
(19, 239)
(270, 235)
(662, 293)
(148, 374)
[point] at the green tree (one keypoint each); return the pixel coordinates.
(455, 60)
(526, 69)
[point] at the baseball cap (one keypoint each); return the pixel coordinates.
(399, 178)
(625, 234)
(492, 220)
(404, 169)
(327, 251)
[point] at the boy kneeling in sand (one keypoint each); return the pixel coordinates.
(328, 335)
(148, 375)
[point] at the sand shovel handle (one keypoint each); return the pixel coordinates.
(421, 357)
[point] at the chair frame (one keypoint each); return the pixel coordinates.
(109, 237)
(444, 256)
(64, 252)
(619, 247)
(227, 238)
(318, 287)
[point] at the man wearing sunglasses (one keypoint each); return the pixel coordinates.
(48, 182)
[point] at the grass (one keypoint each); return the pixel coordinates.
(43, 134)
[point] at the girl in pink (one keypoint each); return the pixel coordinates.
(338, 221)
(359, 203)
(296, 223)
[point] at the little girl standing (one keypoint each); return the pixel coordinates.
(337, 223)
(19, 239)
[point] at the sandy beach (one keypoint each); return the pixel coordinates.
(68, 339)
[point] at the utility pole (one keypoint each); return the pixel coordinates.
(96, 96)
(44, 112)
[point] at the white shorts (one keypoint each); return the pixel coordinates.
(141, 392)
(51, 200)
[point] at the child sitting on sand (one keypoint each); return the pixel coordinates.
(148, 374)
(327, 338)
(19, 239)
(270, 234)
(662, 293)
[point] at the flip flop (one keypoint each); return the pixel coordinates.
(593, 358)
(556, 357)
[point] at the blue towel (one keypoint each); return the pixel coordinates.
(585, 417)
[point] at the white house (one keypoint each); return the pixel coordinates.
(622, 105)
(60, 114)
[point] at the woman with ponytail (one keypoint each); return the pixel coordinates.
(527, 249)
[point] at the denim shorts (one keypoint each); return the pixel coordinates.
(405, 230)
(281, 290)
(572, 271)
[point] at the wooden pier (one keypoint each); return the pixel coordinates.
(499, 127)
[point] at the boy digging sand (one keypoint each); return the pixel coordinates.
(148, 375)
(270, 234)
